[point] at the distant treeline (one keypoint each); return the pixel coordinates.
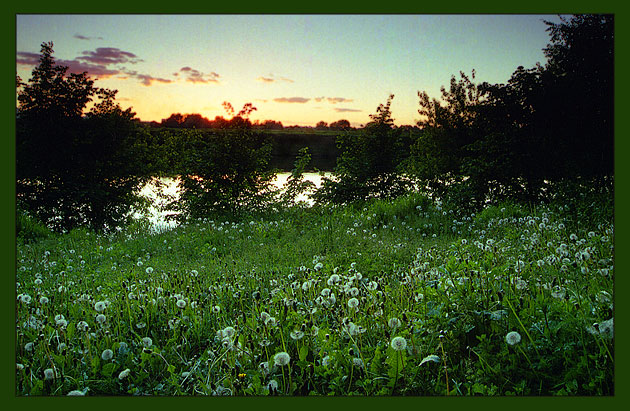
(546, 133)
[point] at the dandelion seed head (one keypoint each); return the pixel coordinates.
(281, 359)
(49, 374)
(124, 374)
(107, 355)
(399, 343)
(513, 338)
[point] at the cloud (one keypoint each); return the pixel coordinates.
(291, 100)
(333, 100)
(104, 62)
(346, 110)
(74, 66)
(196, 76)
(146, 79)
(27, 58)
(82, 37)
(109, 55)
(273, 79)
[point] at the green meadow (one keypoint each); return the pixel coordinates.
(393, 297)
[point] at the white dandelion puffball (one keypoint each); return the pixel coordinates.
(393, 322)
(147, 342)
(107, 355)
(100, 306)
(49, 374)
(353, 303)
(513, 338)
(399, 343)
(124, 374)
(281, 359)
(181, 303)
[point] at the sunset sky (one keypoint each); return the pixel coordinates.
(297, 69)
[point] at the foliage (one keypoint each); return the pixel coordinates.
(296, 184)
(28, 229)
(489, 142)
(368, 164)
(222, 171)
(74, 168)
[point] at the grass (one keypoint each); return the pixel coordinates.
(204, 309)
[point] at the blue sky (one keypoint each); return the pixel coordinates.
(298, 69)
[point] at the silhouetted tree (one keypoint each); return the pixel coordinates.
(175, 120)
(75, 168)
(322, 125)
(340, 125)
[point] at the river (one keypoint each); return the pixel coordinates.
(170, 186)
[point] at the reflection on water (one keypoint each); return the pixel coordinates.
(169, 186)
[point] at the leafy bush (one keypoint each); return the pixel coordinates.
(369, 162)
(28, 229)
(226, 171)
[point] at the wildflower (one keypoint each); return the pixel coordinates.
(272, 385)
(77, 393)
(353, 303)
(333, 279)
(101, 319)
(558, 292)
(49, 373)
(124, 374)
(141, 325)
(393, 322)
(216, 309)
(357, 362)
(181, 303)
(147, 342)
(573, 237)
(325, 292)
(603, 297)
(399, 343)
(281, 359)
(83, 326)
(61, 347)
(296, 334)
(513, 338)
(107, 354)
(43, 300)
(228, 332)
(318, 266)
(29, 346)
(149, 270)
(264, 316)
(25, 298)
(227, 343)
(100, 306)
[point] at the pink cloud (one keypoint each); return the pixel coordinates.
(196, 76)
(109, 55)
(291, 99)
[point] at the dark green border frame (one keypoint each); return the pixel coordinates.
(7, 222)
